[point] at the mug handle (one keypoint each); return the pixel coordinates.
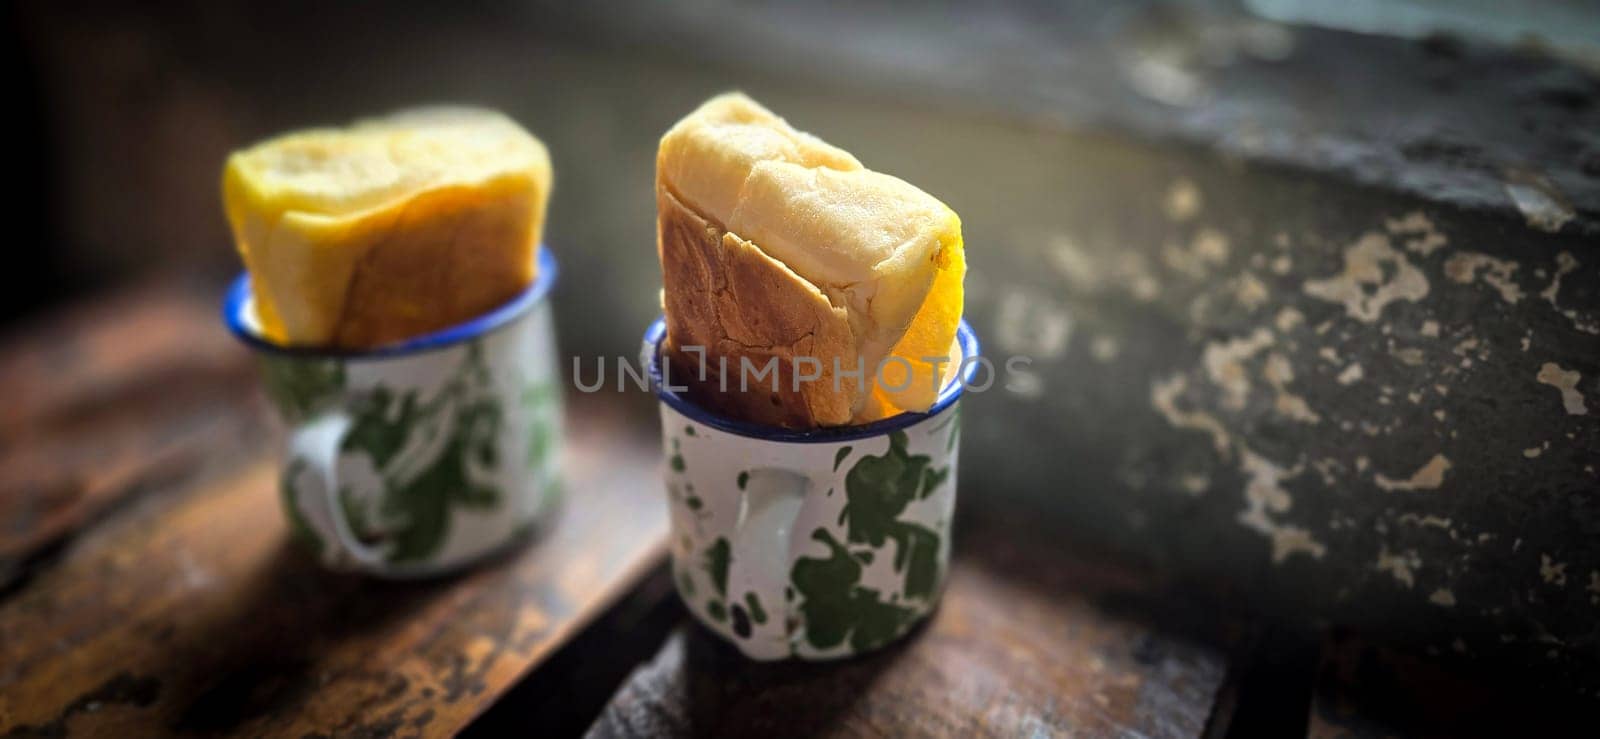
(773, 502)
(318, 442)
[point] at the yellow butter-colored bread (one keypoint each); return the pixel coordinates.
(776, 244)
(389, 228)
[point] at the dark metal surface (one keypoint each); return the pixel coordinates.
(1447, 118)
(1365, 690)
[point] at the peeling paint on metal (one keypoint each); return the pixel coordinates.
(1566, 381)
(1278, 373)
(1250, 292)
(1428, 477)
(1033, 325)
(1164, 395)
(1264, 495)
(1208, 249)
(1085, 272)
(1428, 520)
(1566, 264)
(1422, 237)
(1350, 375)
(1468, 346)
(1410, 356)
(1211, 245)
(1073, 263)
(1364, 266)
(1183, 200)
(1104, 348)
(1553, 572)
(1326, 468)
(1224, 363)
(1464, 267)
(1288, 319)
(1401, 565)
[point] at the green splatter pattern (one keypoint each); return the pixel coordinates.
(414, 512)
(299, 527)
(878, 490)
(870, 569)
(718, 556)
(542, 402)
(299, 387)
(677, 458)
(473, 428)
(409, 518)
(837, 608)
(758, 613)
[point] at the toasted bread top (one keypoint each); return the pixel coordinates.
(868, 241)
(390, 227)
(376, 162)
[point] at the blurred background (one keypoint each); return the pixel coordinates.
(127, 112)
(1147, 190)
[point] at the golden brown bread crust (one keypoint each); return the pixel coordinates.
(461, 256)
(376, 232)
(726, 295)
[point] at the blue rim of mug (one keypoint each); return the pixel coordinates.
(238, 299)
(947, 396)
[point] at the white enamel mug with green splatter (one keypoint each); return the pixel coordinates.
(424, 456)
(815, 544)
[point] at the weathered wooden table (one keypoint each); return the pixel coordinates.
(1026, 642)
(148, 587)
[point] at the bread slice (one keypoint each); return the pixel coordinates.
(776, 244)
(389, 228)
(734, 304)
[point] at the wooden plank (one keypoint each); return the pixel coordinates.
(100, 351)
(568, 690)
(105, 399)
(199, 615)
(1024, 644)
(185, 608)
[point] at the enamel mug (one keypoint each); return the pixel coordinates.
(813, 544)
(419, 457)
